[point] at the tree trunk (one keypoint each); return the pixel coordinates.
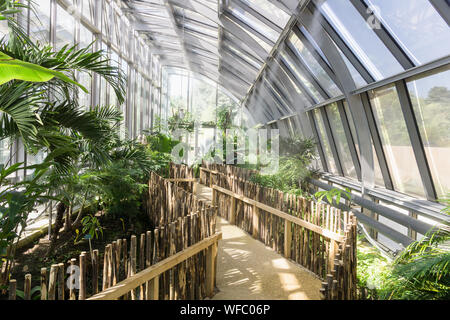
(68, 222)
(60, 210)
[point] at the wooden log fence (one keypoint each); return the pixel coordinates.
(184, 222)
(167, 201)
(315, 235)
(151, 276)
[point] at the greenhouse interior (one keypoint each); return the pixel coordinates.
(225, 150)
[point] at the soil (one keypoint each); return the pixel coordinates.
(34, 257)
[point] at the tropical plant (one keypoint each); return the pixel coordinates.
(334, 194)
(183, 122)
(91, 227)
(422, 271)
(46, 116)
(17, 200)
(294, 165)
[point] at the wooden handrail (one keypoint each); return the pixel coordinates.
(208, 170)
(305, 224)
(182, 180)
(154, 271)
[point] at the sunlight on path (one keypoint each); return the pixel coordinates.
(247, 269)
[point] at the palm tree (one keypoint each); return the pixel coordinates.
(38, 105)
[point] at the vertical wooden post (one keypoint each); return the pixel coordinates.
(125, 256)
(148, 253)
(210, 266)
(112, 262)
(133, 262)
(72, 295)
(332, 254)
(153, 289)
(233, 211)
(27, 287)
(213, 200)
(255, 224)
(82, 291)
(52, 282)
(105, 269)
(12, 289)
(287, 238)
(95, 266)
(44, 283)
(61, 281)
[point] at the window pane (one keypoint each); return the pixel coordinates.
(341, 141)
(417, 26)
(325, 143)
(314, 67)
(253, 22)
(65, 25)
(360, 38)
(395, 139)
(267, 9)
(40, 22)
(311, 89)
(5, 150)
(378, 175)
(430, 96)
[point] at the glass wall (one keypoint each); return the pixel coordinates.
(396, 142)
(341, 141)
(430, 97)
(325, 142)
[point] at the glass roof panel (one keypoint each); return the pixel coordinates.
(417, 26)
(312, 90)
(269, 10)
(360, 38)
(314, 66)
(253, 22)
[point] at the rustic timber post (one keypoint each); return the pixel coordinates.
(82, 292)
(12, 289)
(153, 289)
(61, 281)
(27, 287)
(233, 211)
(72, 295)
(210, 269)
(43, 283)
(255, 224)
(52, 282)
(95, 265)
(287, 238)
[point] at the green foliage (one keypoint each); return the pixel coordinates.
(294, 166)
(14, 69)
(184, 123)
(422, 271)
(17, 200)
(35, 293)
(372, 269)
(91, 226)
(333, 194)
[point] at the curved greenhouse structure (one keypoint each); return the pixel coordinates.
(225, 150)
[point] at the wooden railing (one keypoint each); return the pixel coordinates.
(179, 219)
(315, 235)
(150, 276)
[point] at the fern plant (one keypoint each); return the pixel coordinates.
(422, 271)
